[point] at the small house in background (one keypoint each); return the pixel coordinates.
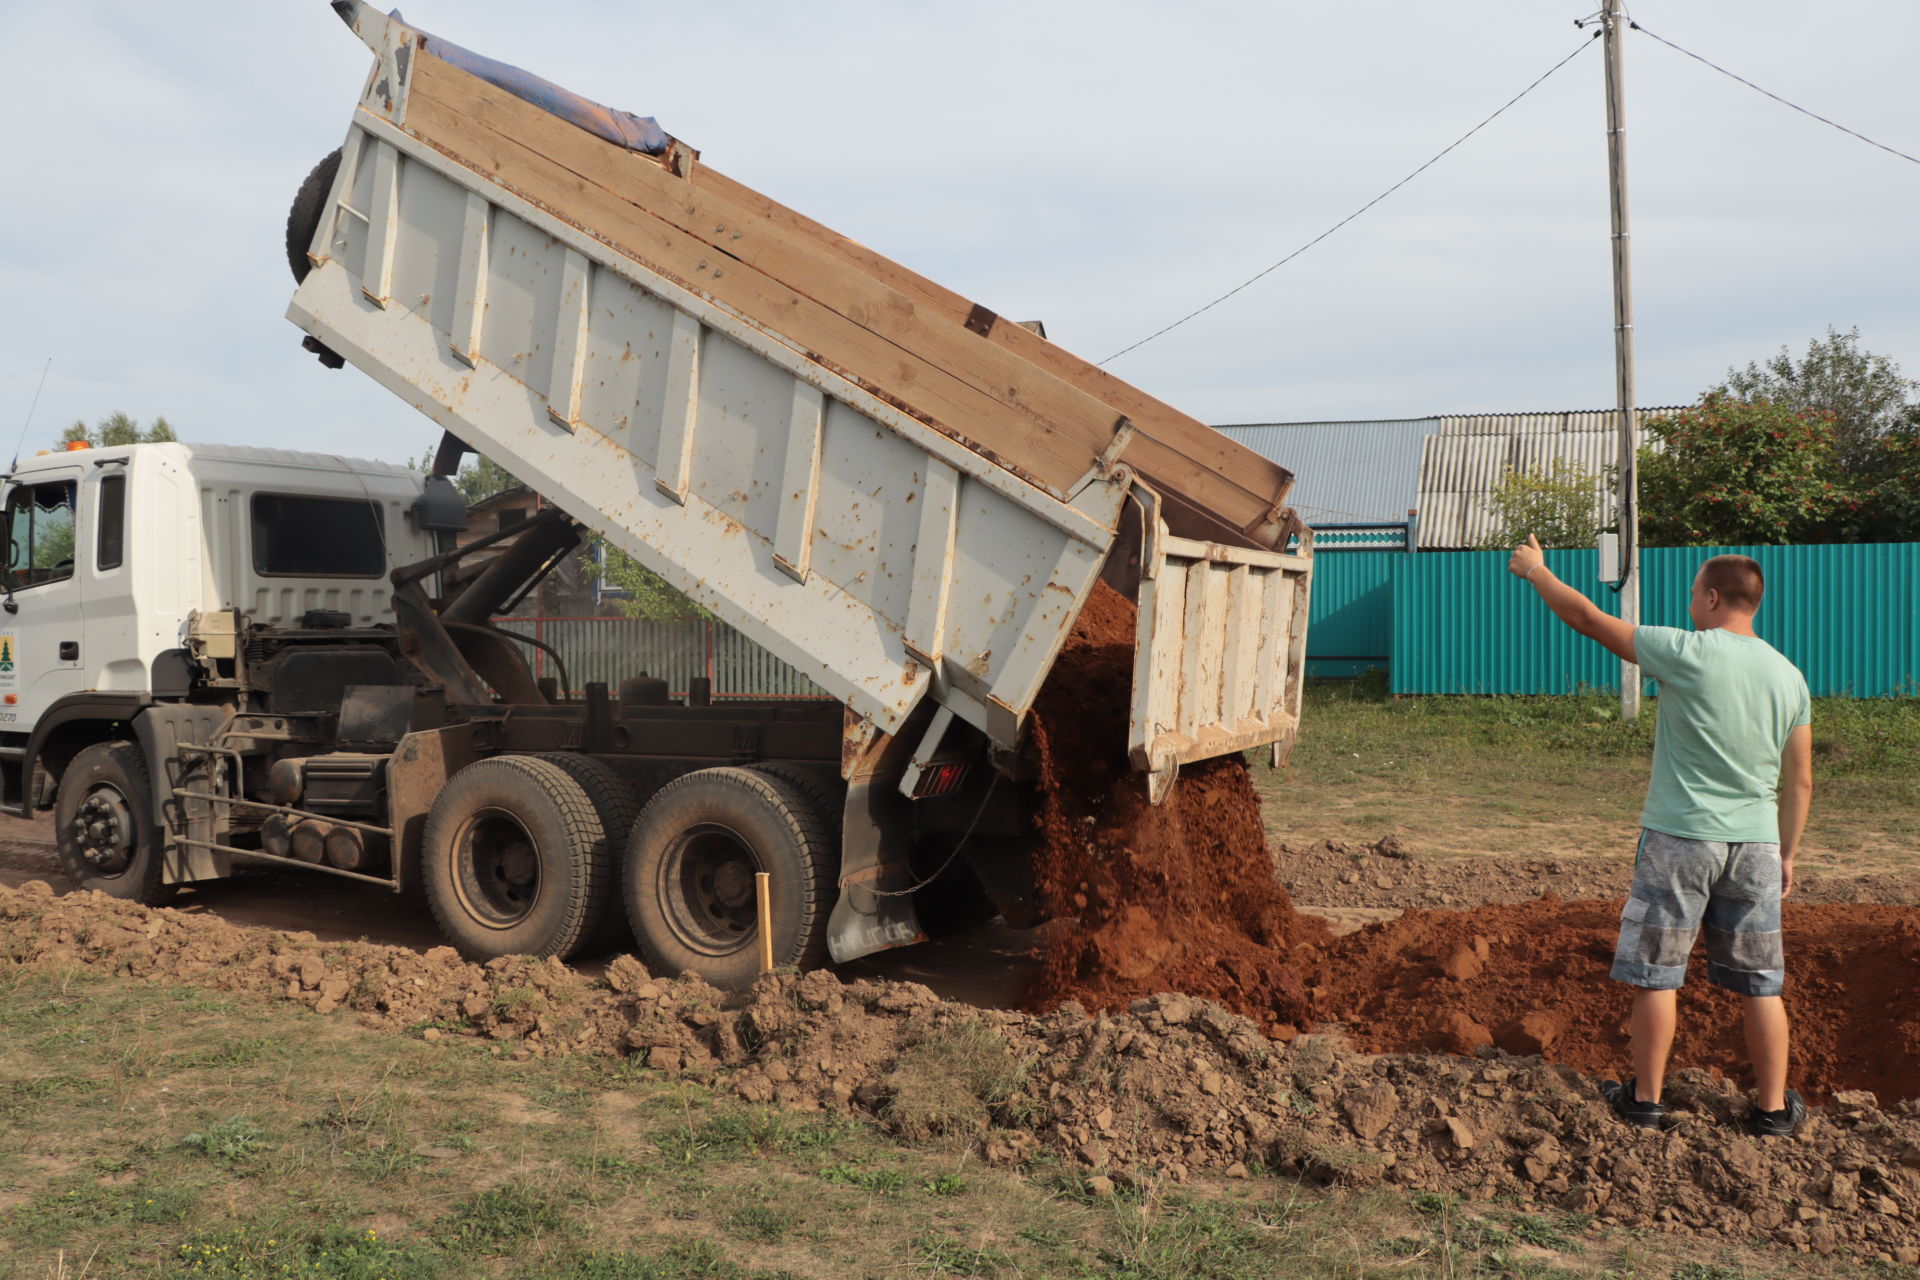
(571, 590)
(1424, 483)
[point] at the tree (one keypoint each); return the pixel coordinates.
(648, 595)
(1884, 505)
(117, 428)
(1866, 395)
(1735, 472)
(1560, 508)
(477, 481)
(481, 479)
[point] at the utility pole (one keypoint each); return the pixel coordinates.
(1627, 493)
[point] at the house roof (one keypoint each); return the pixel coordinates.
(1345, 472)
(1444, 466)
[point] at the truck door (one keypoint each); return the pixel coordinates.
(109, 647)
(40, 660)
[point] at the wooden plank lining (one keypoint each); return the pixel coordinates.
(1259, 476)
(1026, 389)
(921, 387)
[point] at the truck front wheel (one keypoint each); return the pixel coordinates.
(689, 876)
(516, 861)
(104, 828)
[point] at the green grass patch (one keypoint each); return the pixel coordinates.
(383, 1157)
(1522, 776)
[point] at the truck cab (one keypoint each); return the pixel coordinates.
(134, 573)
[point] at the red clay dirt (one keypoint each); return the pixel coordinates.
(1181, 897)
(1151, 898)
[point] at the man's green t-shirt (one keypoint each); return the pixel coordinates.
(1727, 704)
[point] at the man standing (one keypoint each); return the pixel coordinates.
(1726, 805)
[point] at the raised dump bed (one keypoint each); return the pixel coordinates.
(888, 486)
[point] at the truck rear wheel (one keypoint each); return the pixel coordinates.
(104, 828)
(515, 860)
(614, 800)
(689, 883)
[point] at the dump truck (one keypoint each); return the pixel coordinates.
(234, 656)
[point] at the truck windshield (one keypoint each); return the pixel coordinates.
(297, 536)
(39, 533)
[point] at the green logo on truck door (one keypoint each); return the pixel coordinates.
(6, 654)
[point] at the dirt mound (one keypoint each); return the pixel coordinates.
(1150, 898)
(1166, 1088)
(1182, 897)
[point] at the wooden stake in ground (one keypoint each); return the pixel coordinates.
(763, 907)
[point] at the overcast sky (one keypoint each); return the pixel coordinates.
(1106, 167)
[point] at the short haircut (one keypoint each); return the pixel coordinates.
(1738, 580)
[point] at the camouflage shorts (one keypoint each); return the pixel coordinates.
(1679, 885)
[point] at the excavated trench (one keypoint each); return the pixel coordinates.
(1182, 898)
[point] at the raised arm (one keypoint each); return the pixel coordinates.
(1583, 615)
(1796, 796)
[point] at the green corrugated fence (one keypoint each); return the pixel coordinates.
(1350, 623)
(1457, 622)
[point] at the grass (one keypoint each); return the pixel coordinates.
(953, 1082)
(330, 1152)
(1530, 776)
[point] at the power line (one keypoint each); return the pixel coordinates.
(1356, 213)
(1776, 97)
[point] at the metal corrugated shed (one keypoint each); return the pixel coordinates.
(1345, 471)
(1467, 458)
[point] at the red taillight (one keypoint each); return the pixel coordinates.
(940, 779)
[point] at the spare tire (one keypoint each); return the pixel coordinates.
(303, 219)
(688, 880)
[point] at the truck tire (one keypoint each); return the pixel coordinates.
(303, 219)
(615, 801)
(515, 861)
(688, 880)
(103, 825)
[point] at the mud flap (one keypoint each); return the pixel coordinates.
(161, 731)
(874, 913)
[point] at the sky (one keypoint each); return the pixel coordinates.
(1105, 167)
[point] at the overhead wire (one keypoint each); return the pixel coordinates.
(1834, 124)
(1256, 278)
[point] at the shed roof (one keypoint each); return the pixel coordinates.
(1443, 466)
(1463, 462)
(1345, 472)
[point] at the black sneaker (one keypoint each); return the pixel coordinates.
(1784, 1123)
(1641, 1115)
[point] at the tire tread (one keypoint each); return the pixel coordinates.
(591, 875)
(800, 808)
(132, 761)
(617, 807)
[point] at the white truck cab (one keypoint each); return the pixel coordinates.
(122, 561)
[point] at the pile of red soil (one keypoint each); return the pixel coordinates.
(1150, 898)
(1181, 897)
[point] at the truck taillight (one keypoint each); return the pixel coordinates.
(940, 779)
